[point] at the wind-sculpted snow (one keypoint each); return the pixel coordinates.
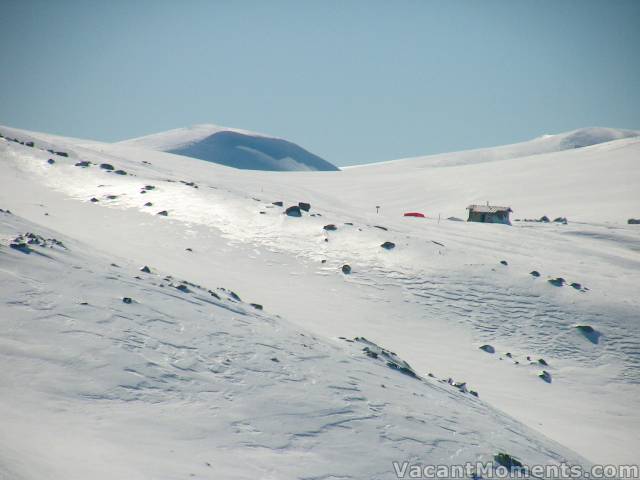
(180, 384)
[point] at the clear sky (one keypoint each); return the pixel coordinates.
(352, 81)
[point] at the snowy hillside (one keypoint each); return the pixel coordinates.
(234, 148)
(151, 377)
(117, 373)
(583, 137)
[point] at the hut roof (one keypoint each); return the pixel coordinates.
(488, 209)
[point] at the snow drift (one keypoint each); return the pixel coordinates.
(234, 148)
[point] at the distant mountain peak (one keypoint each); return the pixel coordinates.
(233, 147)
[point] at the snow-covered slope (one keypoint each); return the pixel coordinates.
(433, 299)
(234, 148)
(583, 137)
(185, 381)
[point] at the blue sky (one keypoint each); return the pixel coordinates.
(352, 81)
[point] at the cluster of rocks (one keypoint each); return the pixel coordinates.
(544, 219)
(391, 360)
(25, 241)
(185, 286)
(5, 211)
(544, 375)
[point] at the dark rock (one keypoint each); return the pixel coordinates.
(94, 200)
(508, 354)
(507, 461)
(323, 261)
(346, 269)
(214, 294)
(120, 172)
(145, 269)
(274, 359)
(148, 204)
(544, 375)
(149, 187)
(164, 213)
(348, 223)
(111, 197)
(577, 286)
(257, 306)
(188, 249)
(331, 227)
(51, 161)
(20, 246)
(504, 262)
(474, 393)
(304, 206)
(278, 204)
(61, 154)
(634, 221)
(388, 245)
(562, 220)
(535, 273)
(455, 219)
(28, 144)
(544, 219)
(83, 164)
(557, 282)
(126, 300)
(381, 228)
(488, 348)
(183, 288)
(293, 211)
(106, 166)
(542, 361)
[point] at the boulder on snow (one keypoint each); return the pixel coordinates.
(455, 219)
(542, 361)
(149, 187)
(304, 206)
(164, 213)
(544, 219)
(83, 164)
(127, 300)
(589, 333)
(278, 204)
(28, 144)
(504, 262)
(487, 348)
(534, 273)
(145, 269)
(120, 172)
(507, 461)
(106, 166)
(544, 375)
(562, 220)
(388, 245)
(61, 154)
(148, 204)
(576, 285)
(257, 306)
(94, 200)
(51, 161)
(293, 211)
(557, 282)
(330, 228)
(346, 269)
(634, 221)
